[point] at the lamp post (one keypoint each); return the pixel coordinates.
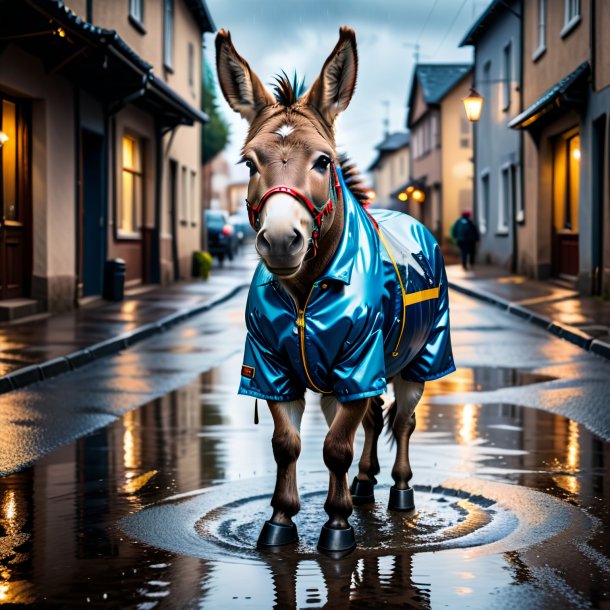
(473, 104)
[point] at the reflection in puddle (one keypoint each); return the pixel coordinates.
(59, 544)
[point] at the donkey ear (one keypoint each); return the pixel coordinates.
(241, 87)
(333, 89)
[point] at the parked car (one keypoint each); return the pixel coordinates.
(222, 236)
(242, 227)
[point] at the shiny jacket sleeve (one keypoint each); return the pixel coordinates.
(265, 374)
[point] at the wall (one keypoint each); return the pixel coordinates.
(496, 145)
(391, 173)
(53, 178)
(456, 156)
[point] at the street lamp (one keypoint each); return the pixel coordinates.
(3, 138)
(473, 104)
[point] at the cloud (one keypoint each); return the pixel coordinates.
(294, 35)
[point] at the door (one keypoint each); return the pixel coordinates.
(93, 213)
(566, 184)
(173, 214)
(597, 220)
(15, 199)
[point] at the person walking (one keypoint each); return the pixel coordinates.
(466, 235)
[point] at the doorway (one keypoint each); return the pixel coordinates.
(93, 213)
(597, 220)
(15, 199)
(566, 184)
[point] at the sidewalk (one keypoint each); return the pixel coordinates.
(584, 321)
(43, 347)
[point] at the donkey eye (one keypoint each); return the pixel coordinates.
(322, 162)
(250, 165)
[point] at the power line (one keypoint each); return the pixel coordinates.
(444, 38)
(421, 32)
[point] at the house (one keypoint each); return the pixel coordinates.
(100, 132)
(566, 99)
(496, 38)
(390, 169)
(441, 145)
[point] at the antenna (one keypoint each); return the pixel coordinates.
(386, 119)
(416, 47)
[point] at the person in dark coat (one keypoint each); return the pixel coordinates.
(466, 235)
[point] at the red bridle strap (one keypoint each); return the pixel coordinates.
(317, 213)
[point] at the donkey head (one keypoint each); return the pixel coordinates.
(290, 150)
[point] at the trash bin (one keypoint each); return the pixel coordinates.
(114, 279)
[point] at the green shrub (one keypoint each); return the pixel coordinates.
(203, 262)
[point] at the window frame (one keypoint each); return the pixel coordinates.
(192, 197)
(571, 16)
(136, 17)
(168, 34)
(505, 200)
(507, 75)
(484, 200)
(541, 48)
(138, 176)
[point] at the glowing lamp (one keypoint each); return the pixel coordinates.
(371, 195)
(403, 196)
(576, 154)
(473, 104)
(3, 138)
(418, 195)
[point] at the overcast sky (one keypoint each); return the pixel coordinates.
(289, 35)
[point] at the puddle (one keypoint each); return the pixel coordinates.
(164, 507)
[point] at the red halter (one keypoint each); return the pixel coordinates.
(317, 213)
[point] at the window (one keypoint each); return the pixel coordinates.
(505, 199)
(518, 199)
(484, 202)
(168, 33)
(136, 10)
(436, 140)
(191, 64)
(541, 47)
(571, 16)
(193, 198)
(464, 132)
(184, 207)
(507, 76)
(132, 200)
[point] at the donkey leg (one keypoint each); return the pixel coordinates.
(363, 485)
(408, 394)
(286, 443)
(337, 535)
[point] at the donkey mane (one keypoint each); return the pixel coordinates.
(287, 93)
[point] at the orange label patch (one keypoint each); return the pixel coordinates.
(247, 371)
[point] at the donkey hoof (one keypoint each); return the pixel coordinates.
(401, 499)
(275, 534)
(337, 543)
(363, 492)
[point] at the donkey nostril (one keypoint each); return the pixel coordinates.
(296, 244)
(262, 244)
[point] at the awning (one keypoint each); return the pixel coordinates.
(97, 59)
(567, 93)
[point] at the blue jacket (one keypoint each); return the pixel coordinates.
(369, 316)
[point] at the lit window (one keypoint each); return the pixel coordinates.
(136, 10)
(132, 200)
(168, 33)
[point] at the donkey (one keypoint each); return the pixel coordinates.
(343, 301)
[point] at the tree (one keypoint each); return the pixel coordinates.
(216, 130)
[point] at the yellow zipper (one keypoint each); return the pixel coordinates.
(402, 290)
(301, 326)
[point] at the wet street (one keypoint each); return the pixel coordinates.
(140, 481)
